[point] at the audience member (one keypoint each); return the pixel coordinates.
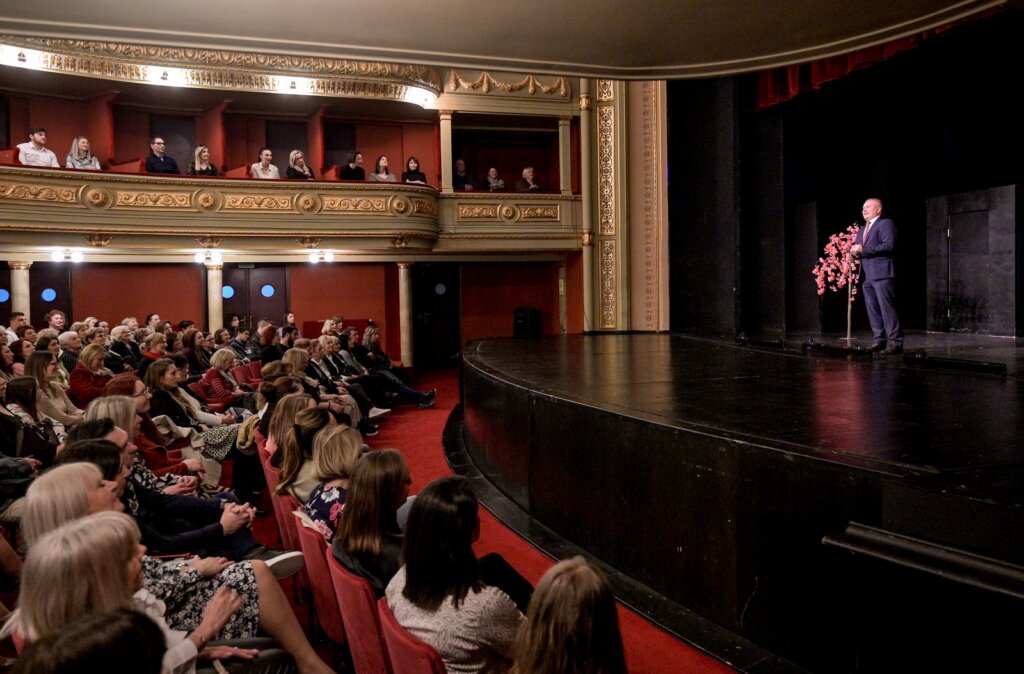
(201, 164)
(81, 156)
(369, 540)
(34, 152)
(462, 607)
(70, 346)
(21, 350)
(462, 180)
(51, 399)
(493, 183)
(49, 343)
(155, 346)
(527, 182)
(297, 169)
(412, 173)
(193, 350)
(263, 169)
(353, 170)
(381, 172)
(41, 435)
(17, 319)
(158, 161)
(572, 625)
(295, 456)
(270, 346)
(56, 319)
(335, 453)
(218, 382)
(89, 376)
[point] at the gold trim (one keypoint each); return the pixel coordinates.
(98, 240)
(152, 199)
(606, 169)
(256, 202)
(221, 68)
(478, 212)
(585, 101)
(486, 82)
(606, 90)
(209, 241)
(652, 183)
(19, 266)
(608, 284)
(309, 241)
(587, 239)
(62, 195)
(398, 242)
(355, 204)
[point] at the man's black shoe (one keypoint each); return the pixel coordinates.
(893, 350)
(877, 346)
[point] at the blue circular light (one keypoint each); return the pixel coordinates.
(267, 290)
(49, 295)
(227, 292)
(4, 295)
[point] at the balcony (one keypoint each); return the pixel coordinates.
(143, 213)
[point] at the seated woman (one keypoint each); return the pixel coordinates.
(154, 348)
(263, 169)
(80, 156)
(270, 346)
(492, 182)
(42, 435)
(201, 164)
(193, 349)
(173, 343)
(218, 382)
(413, 174)
(527, 182)
(572, 624)
(7, 363)
(90, 544)
(381, 173)
(289, 321)
(20, 350)
(295, 457)
(298, 360)
(89, 376)
(369, 540)
(442, 594)
(335, 453)
(49, 343)
(52, 401)
(297, 169)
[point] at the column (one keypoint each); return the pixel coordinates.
(564, 156)
(587, 187)
(611, 235)
(446, 150)
(562, 307)
(405, 309)
(21, 299)
(214, 298)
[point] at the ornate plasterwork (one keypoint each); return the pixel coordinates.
(606, 90)
(209, 241)
(486, 82)
(309, 241)
(65, 195)
(608, 305)
(356, 204)
(510, 212)
(222, 68)
(478, 212)
(19, 266)
(606, 169)
(652, 185)
(153, 199)
(98, 240)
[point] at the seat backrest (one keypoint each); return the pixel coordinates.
(362, 622)
(11, 155)
(254, 370)
(324, 600)
(197, 388)
(408, 654)
(241, 374)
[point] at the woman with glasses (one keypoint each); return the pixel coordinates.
(52, 401)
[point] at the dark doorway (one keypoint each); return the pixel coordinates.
(435, 306)
(50, 288)
(254, 292)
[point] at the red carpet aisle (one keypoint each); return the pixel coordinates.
(417, 433)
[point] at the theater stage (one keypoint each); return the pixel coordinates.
(842, 513)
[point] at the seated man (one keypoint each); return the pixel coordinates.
(34, 152)
(462, 180)
(353, 170)
(157, 161)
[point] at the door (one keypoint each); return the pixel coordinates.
(435, 306)
(255, 292)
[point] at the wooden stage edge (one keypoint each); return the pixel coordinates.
(804, 510)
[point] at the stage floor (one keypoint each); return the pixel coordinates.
(876, 413)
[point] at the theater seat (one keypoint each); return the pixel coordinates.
(324, 600)
(131, 166)
(215, 404)
(408, 654)
(254, 372)
(362, 621)
(10, 155)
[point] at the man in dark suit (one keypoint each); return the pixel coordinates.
(875, 246)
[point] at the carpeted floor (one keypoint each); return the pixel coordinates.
(417, 433)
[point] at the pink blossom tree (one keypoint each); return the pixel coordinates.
(839, 269)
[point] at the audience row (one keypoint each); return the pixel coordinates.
(35, 153)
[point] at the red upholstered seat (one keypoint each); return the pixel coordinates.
(215, 404)
(10, 155)
(324, 599)
(408, 654)
(254, 371)
(362, 621)
(241, 374)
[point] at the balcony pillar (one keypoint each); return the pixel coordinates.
(214, 298)
(405, 311)
(21, 299)
(564, 156)
(587, 180)
(446, 151)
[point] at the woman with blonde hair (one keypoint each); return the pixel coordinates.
(369, 540)
(81, 156)
(218, 382)
(287, 408)
(335, 453)
(63, 494)
(89, 376)
(51, 399)
(96, 564)
(572, 624)
(296, 456)
(297, 168)
(201, 164)
(155, 348)
(298, 359)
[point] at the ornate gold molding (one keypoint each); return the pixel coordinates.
(585, 101)
(485, 82)
(19, 266)
(478, 212)
(309, 241)
(587, 239)
(256, 202)
(98, 240)
(356, 204)
(209, 241)
(220, 68)
(606, 169)
(606, 90)
(153, 199)
(65, 195)
(608, 303)
(652, 185)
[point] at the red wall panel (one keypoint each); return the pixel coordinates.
(350, 290)
(490, 293)
(131, 134)
(374, 140)
(421, 141)
(114, 291)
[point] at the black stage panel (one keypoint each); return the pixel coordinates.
(712, 473)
